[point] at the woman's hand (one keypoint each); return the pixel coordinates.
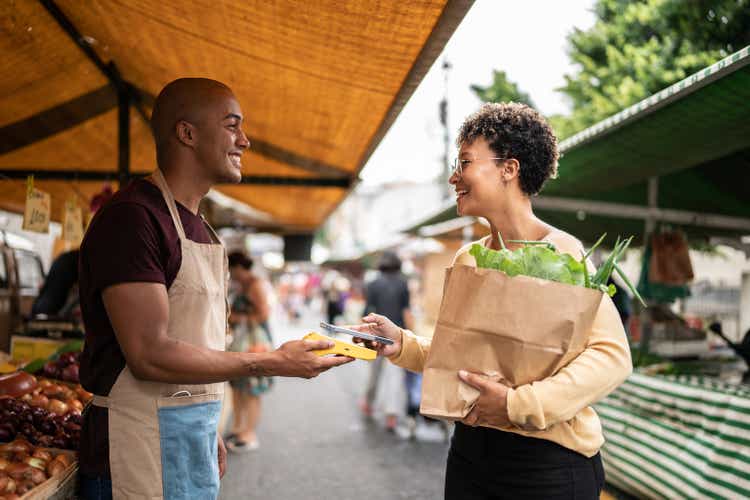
(492, 406)
(375, 324)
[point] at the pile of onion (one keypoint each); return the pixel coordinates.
(23, 467)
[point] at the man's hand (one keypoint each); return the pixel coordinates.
(491, 407)
(222, 456)
(375, 324)
(295, 359)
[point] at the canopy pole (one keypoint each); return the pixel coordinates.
(653, 204)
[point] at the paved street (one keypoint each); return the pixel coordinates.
(314, 444)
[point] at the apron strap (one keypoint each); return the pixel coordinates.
(102, 401)
(171, 205)
(211, 232)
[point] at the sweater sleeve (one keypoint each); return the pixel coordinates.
(414, 352)
(597, 371)
(415, 349)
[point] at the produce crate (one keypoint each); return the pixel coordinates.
(59, 487)
(29, 348)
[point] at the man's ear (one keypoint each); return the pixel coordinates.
(185, 132)
(510, 169)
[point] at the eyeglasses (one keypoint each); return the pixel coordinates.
(458, 164)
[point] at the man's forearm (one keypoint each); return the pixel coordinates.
(177, 362)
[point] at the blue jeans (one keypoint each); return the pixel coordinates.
(95, 488)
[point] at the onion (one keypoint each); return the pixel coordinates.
(4, 463)
(45, 382)
(43, 454)
(38, 476)
(40, 401)
(19, 471)
(55, 467)
(64, 459)
(51, 390)
(83, 394)
(19, 445)
(37, 463)
(7, 485)
(17, 384)
(57, 406)
(24, 487)
(74, 404)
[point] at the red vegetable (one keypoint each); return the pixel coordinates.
(17, 384)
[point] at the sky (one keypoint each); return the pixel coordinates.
(524, 38)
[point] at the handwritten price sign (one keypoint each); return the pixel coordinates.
(37, 211)
(72, 223)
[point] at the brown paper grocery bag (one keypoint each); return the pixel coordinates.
(516, 330)
(670, 259)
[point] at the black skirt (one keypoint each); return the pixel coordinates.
(486, 464)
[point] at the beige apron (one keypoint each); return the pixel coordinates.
(197, 315)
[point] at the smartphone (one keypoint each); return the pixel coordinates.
(354, 333)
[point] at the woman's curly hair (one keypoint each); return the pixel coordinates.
(518, 131)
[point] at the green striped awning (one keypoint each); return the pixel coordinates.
(677, 437)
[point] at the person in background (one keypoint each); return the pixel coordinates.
(388, 295)
(58, 296)
(250, 333)
(59, 286)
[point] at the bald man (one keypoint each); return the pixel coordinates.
(153, 297)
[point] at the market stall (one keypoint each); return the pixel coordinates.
(677, 437)
(41, 405)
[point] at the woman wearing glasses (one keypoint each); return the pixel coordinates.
(549, 447)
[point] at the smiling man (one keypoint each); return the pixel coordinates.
(153, 282)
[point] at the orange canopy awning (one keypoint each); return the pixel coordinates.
(320, 82)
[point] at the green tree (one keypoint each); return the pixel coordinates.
(501, 90)
(637, 48)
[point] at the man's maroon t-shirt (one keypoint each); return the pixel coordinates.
(131, 239)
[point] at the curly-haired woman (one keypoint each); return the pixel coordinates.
(549, 445)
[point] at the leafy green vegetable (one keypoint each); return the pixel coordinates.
(540, 259)
(72, 346)
(34, 366)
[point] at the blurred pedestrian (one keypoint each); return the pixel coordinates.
(387, 295)
(250, 333)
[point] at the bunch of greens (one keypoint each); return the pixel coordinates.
(540, 259)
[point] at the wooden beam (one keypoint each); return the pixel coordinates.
(57, 119)
(94, 176)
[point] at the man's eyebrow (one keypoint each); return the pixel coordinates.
(233, 115)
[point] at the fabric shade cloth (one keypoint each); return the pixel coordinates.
(320, 83)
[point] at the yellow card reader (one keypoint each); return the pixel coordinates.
(343, 348)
